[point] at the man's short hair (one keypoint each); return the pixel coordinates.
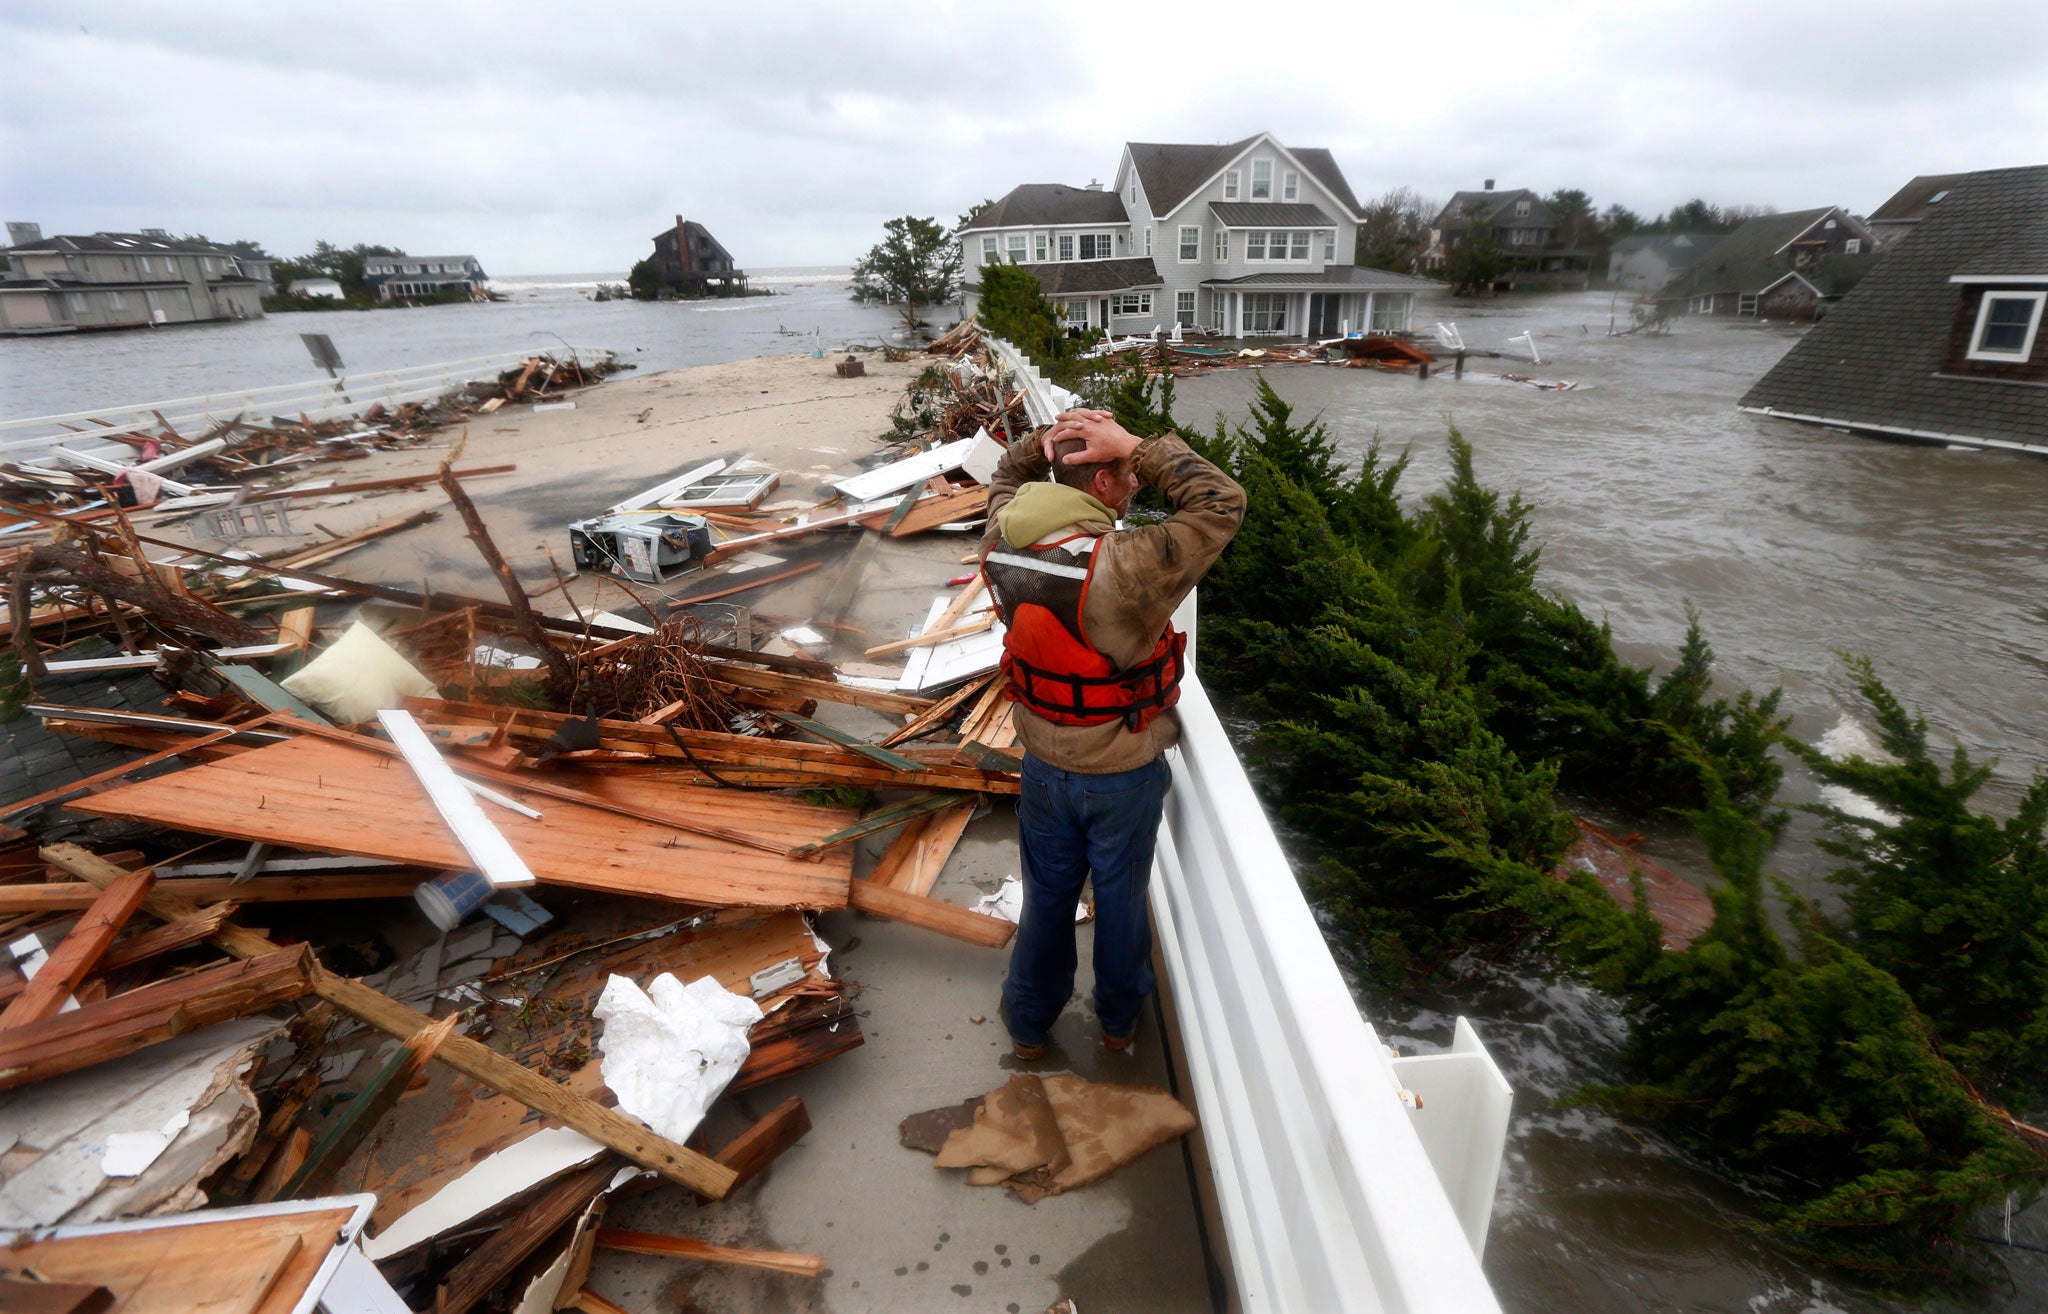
(1080, 476)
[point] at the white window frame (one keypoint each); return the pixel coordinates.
(1017, 247)
(1230, 182)
(1133, 196)
(1130, 303)
(1745, 304)
(1255, 254)
(1190, 244)
(1521, 209)
(1272, 303)
(991, 251)
(1290, 186)
(1184, 307)
(1104, 248)
(1222, 245)
(1076, 312)
(2026, 351)
(1298, 245)
(1148, 239)
(1853, 246)
(1038, 248)
(1329, 245)
(1066, 246)
(1389, 312)
(1259, 166)
(1219, 309)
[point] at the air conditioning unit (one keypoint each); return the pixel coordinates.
(647, 549)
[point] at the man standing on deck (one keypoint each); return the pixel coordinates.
(1095, 666)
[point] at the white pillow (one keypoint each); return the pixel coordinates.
(358, 676)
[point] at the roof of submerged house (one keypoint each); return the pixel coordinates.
(1876, 360)
(1749, 259)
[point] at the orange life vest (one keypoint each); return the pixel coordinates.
(1048, 662)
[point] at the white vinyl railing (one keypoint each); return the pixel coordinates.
(1345, 1179)
(317, 399)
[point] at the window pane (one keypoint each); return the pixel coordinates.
(1016, 248)
(1038, 248)
(2006, 324)
(1255, 246)
(1262, 180)
(1067, 253)
(1230, 185)
(1300, 249)
(1329, 246)
(1191, 244)
(988, 250)
(1291, 186)
(1223, 244)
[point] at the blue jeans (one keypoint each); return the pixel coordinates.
(1071, 824)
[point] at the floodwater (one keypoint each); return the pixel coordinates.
(1797, 544)
(1648, 488)
(77, 371)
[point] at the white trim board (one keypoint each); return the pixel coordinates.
(485, 844)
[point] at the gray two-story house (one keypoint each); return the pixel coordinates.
(1249, 239)
(123, 280)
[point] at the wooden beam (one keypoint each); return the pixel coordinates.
(686, 1247)
(880, 819)
(937, 714)
(761, 1144)
(641, 1144)
(931, 914)
(834, 735)
(65, 895)
(930, 637)
(155, 1013)
(743, 587)
(825, 691)
(919, 853)
(164, 939)
(72, 961)
(234, 1189)
(561, 672)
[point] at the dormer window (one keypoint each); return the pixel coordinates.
(1230, 185)
(2007, 324)
(1290, 186)
(1262, 180)
(1829, 224)
(1521, 209)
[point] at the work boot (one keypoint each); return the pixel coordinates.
(1030, 1053)
(1120, 1044)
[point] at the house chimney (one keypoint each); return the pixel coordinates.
(1489, 184)
(1094, 185)
(20, 234)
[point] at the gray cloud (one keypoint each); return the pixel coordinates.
(552, 139)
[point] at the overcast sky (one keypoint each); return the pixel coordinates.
(556, 138)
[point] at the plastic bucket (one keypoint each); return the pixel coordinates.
(450, 898)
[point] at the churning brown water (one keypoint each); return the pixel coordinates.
(1796, 543)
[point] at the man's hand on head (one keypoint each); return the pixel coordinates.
(1107, 440)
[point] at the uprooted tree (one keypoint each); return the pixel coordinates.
(916, 264)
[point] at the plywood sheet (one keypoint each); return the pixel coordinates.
(314, 794)
(233, 1266)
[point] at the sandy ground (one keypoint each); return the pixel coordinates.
(898, 1234)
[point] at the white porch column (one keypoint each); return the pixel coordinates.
(1367, 324)
(1237, 314)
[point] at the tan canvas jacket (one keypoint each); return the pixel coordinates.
(1141, 575)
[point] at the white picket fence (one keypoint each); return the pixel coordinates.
(1346, 1180)
(42, 438)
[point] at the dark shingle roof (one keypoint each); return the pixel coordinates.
(123, 244)
(1873, 360)
(1172, 171)
(1262, 214)
(1910, 202)
(1318, 161)
(1062, 278)
(1052, 203)
(1747, 260)
(1490, 204)
(1357, 277)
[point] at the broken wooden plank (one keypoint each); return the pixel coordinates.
(834, 735)
(561, 673)
(939, 712)
(825, 691)
(63, 895)
(508, 1245)
(485, 844)
(753, 582)
(370, 1104)
(931, 914)
(685, 1247)
(235, 1188)
(636, 1142)
(761, 1144)
(155, 1013)
(944, 509)
(160, 940)
(914, 860)
(880, 819)
(930, 638)
(72, 960)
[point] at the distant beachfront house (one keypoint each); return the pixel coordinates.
(1777, 266)
(123, 280)
(1648, 262)
(1523, 228)
(692, 263)
(1944, 340)
(390, 278)
(1909, 205)
(1250, 239)
(315, 287)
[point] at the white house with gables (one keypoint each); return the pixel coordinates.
(1252, 239)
